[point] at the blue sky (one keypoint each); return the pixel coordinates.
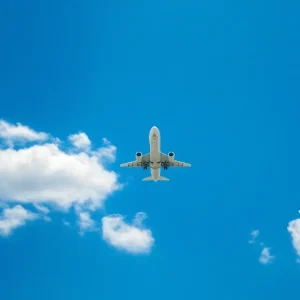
(219, 79)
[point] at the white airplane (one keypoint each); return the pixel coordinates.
(155, 159)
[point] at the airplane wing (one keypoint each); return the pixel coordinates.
(145, 162)
(174, 163)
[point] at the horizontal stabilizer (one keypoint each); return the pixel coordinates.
(161, 178)
(148, 178)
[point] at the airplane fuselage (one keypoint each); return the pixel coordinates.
(155, 157)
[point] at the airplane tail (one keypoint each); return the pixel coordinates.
(161, 178)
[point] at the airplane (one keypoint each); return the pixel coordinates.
(155, 159)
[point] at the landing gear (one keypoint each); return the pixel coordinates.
(145, 165)
(165, 165)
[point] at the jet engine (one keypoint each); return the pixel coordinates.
(138, 157)
(171, 156)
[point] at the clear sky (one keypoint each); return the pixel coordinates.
(82, 83)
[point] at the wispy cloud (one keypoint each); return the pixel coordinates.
(66, 223)
(20, 133)
(265, 256)
(86, 223)
(132, 238)
(13, 218)
(41, 208)
(254, 234)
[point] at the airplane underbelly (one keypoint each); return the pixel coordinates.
(155, 174)
(155, 160)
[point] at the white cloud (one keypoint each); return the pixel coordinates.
(254, 234)
(13, 218)
(129, 237)
(107, 153)
(41, 208)
(265, 256)
(80, 141)
(12, 133)
(294, 229)
(85, 222)
(46, 174)
(44, 211)
(48, 177)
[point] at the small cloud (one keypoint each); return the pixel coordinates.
(107, 153)
(66, 223)
(139, 218)
(12, 133)
(80, 141)
(13, 218)
(106, 141)
(44, 211)
(129, 237)
(41, 208)
(47, 219)
(265, 256)
(254, 234)
(85, 222)
(294, 230)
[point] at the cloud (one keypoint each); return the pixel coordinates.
(66, 223)
(128, 237)
(294, 229)
(265, 256)
(48, 177)
(44, 211)
(107, 153)
(42, 208)
(80, 141)
(20, 133)
(254, 234)
(13, 218)
(85, 222)
(46, 174)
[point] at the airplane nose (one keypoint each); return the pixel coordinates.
(155, 130)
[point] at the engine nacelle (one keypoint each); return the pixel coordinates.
(138, 157)
(171, 156)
